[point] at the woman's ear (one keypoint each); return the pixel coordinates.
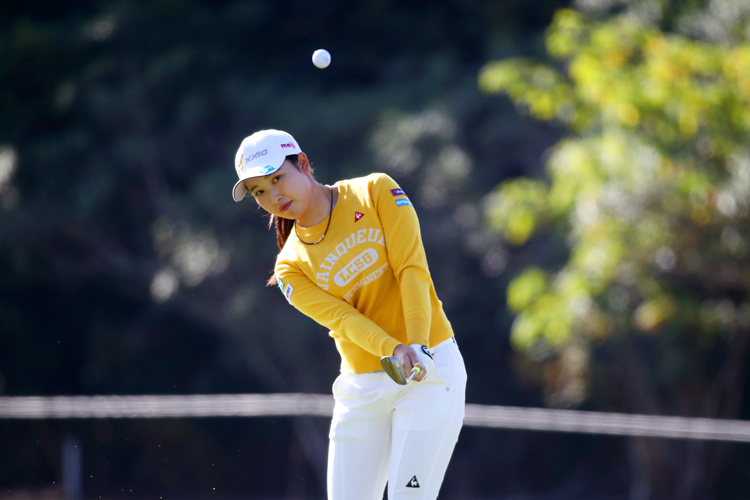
(303, 163)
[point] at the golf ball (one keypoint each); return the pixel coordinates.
(321, 58)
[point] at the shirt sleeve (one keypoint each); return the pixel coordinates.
(332, 312)
(405, 255)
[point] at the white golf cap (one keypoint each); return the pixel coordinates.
(261, 154)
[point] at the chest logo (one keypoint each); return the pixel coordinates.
(357, 216)
(355, 267)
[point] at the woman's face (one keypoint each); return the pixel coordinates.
(285, 193)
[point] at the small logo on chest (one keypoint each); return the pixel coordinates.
(357, 216)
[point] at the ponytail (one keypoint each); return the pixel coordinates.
(283, 229)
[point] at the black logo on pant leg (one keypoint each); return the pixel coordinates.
(413, 483)
(427, 351)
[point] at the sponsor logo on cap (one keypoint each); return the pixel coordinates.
(258, 154)
(402, 202)
(266, 170)
(288, 145)
(397, 192)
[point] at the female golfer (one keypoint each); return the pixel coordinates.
(351, 258)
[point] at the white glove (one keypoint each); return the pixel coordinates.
(425, 358)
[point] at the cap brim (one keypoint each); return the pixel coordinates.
(239, 191)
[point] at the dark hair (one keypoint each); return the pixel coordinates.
(284, 226)
(283, 229)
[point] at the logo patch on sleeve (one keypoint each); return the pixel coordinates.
(281, 284)
(357, 216)
(397, 192)
(403, 202)
(288, 292)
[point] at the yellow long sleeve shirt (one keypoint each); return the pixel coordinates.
(367, 281)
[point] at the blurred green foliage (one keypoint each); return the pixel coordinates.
(651, 193)
(656, 170)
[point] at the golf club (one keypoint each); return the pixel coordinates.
(395, 370)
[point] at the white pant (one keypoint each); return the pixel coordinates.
(382, 431)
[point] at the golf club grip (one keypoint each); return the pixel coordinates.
(415, 370)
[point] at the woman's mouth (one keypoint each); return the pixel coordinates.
(285, 206)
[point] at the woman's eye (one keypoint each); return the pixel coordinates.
(258, 193)
(275, 179)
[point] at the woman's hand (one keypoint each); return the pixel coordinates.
(408, 357)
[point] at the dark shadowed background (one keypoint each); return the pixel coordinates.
(126, 268)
